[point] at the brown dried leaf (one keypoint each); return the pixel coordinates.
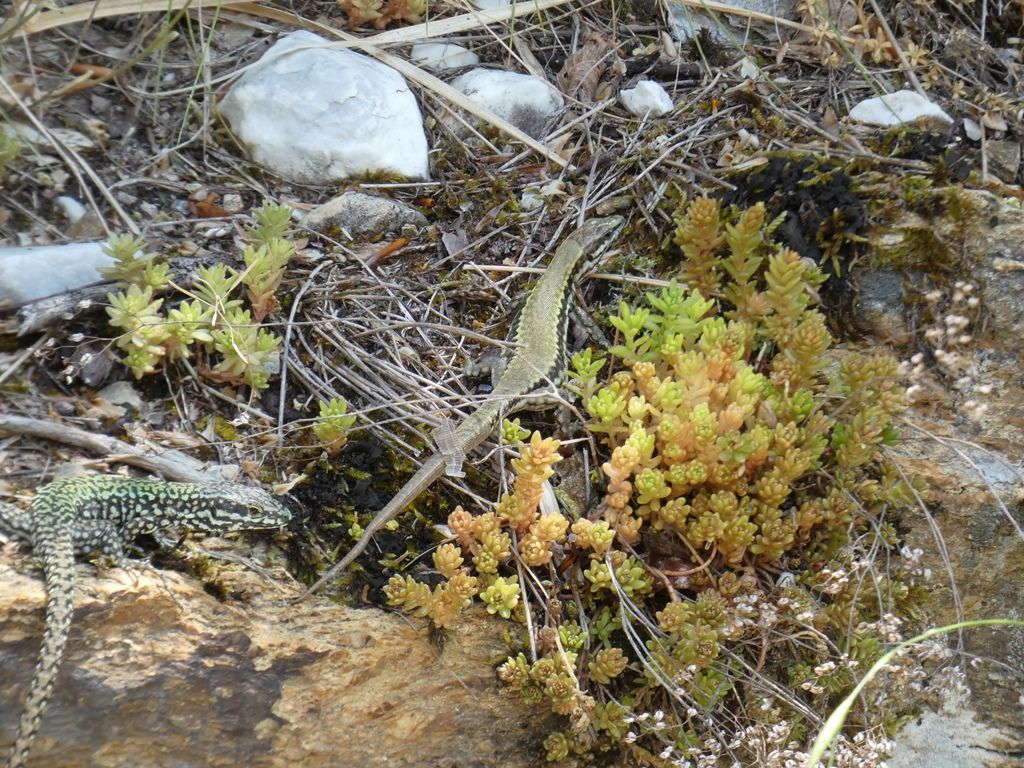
(95, 71)
(287, 485)
(840, 14)
(102, 409)
(207, 209)
(177, 439)
(994, 121)
(582, 71)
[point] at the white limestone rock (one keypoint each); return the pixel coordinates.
(524, 100)
(646, 98)
(897, 108)
(442, 56)
(972, 130)
(1003, 158)
(28, 136)
(955, 737)
(685, 21)
(321, 115)
(359, 216)
(121, 393)
(72, 209)
(27, 274)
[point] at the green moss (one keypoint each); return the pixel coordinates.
(925, 232)
(224, 429)
(10, 149)
(343, 492)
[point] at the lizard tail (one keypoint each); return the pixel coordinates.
(59, 567)
(431, 470)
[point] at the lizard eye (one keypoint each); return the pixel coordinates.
(260, 512)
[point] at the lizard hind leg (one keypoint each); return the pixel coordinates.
(105, 537)
(98, 536)
(15, 521)
(489, 366)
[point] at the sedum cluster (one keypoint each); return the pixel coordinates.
(718, 423)
(208, 319)
(383, 12)
(333, 424)
(724, 584)
(487, 539)
(445, 602)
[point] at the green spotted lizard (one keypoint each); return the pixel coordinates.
(104, 513)
(537, 364)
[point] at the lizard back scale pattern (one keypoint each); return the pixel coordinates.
(102, 513)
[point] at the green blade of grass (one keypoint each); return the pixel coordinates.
(835, 721)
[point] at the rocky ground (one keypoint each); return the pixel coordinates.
(451, 193)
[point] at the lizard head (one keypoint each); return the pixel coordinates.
(227, 507)
(595, 237)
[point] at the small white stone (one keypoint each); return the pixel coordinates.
(531, 199)
(646, 98)
(897, 108)
(748, 69)
(215, 231)
(442, 56)
(686, 20)
(972, 130)
(232, 202)
(523, 100)
(319, 114)
(70, 207)
(27, 274)
(121, 393)
(360, 215)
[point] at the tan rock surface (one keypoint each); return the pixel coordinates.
(158, 678)
(972, 465)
